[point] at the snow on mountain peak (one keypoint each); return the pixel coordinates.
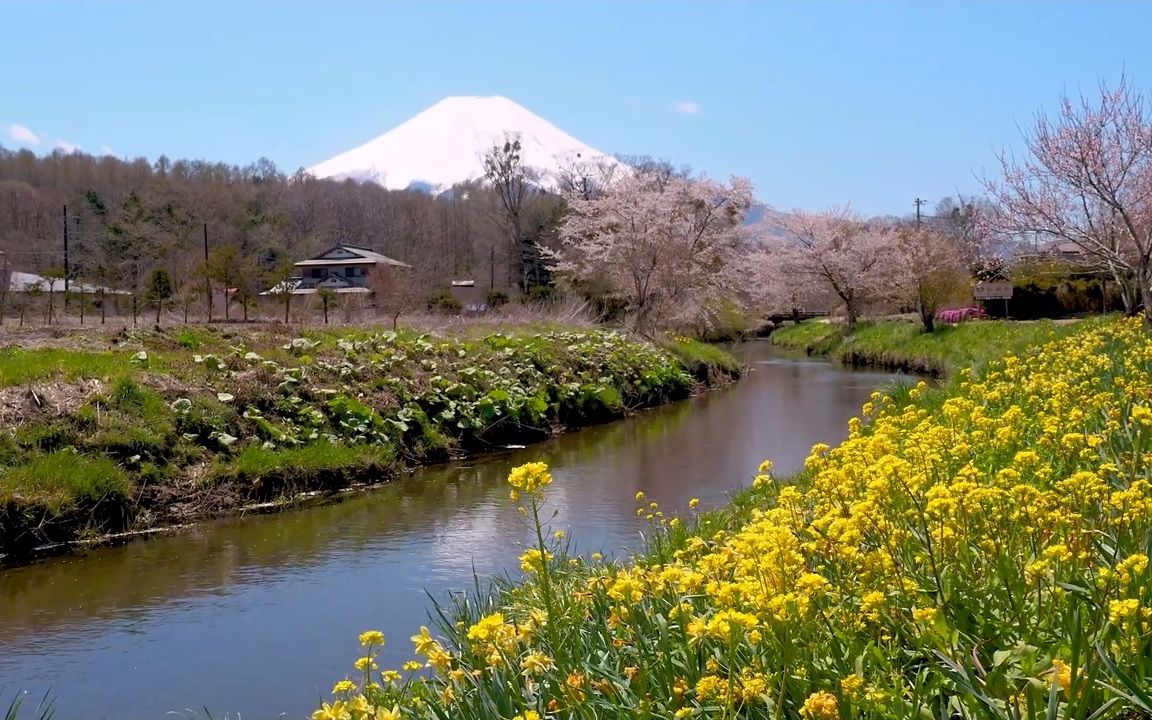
(445, 145)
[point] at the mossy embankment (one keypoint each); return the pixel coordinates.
(899, 345)
(162, 427)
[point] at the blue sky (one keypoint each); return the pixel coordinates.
(818, 103)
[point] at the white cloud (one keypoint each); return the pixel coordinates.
(687, 107)
(66, 146)
(21, 134)
(105, 150)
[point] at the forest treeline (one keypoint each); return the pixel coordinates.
(126, 218)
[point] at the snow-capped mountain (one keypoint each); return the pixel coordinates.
(445, 145)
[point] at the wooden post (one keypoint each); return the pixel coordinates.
(66, 269)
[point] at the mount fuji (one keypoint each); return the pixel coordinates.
(445, 145)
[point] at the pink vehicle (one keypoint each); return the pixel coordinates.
(958, 315)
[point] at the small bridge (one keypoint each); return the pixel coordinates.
(796, 316)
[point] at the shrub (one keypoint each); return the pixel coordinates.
(496, 298)
(444, 302)
(541, 294)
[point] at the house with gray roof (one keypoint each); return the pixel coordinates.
(342, 269)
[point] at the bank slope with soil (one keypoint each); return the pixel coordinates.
(159, 428)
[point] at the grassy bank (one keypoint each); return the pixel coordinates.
(977, 550)
(158, 428)
(904, 346)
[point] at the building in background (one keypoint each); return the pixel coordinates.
(471, 298)
(341, 269)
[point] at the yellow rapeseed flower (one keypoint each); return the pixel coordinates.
(487, 627)
(530, 477)
(336, 711)
(851, 685)
(1061, 676)
(392, 713)
(424, 642)
(535, 663)
(821, 705)
(371, 637)
(531, 561)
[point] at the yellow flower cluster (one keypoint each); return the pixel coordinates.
(530, 478)
(963, 552)
(494, 640)
(363, 700)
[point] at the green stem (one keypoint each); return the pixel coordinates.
(545, 580)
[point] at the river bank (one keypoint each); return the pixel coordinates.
(899, 345)
(160, 428)
(98, 630)
(942, 560)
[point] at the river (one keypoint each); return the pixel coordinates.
(257, 617)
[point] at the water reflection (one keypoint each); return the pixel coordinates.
(259, 615)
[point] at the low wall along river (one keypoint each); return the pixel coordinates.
(257, 617)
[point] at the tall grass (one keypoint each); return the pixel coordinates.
(63, 479)
(43, 710)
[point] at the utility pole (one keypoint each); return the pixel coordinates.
(207, 278)
(918, 202)
(66, 258)
(5, 285)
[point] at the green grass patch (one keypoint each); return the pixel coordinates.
(21, 367)
(62, 479)
(905, 345)
(703, 361)
(266, 472)
(811, 336)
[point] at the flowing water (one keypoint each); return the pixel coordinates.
(257, 617)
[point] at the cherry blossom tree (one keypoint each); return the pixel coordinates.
(777, 292)
(927, 270)
(664, 247)
(1087, 179)
(836, 252)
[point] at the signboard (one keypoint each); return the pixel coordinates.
(992, 291)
